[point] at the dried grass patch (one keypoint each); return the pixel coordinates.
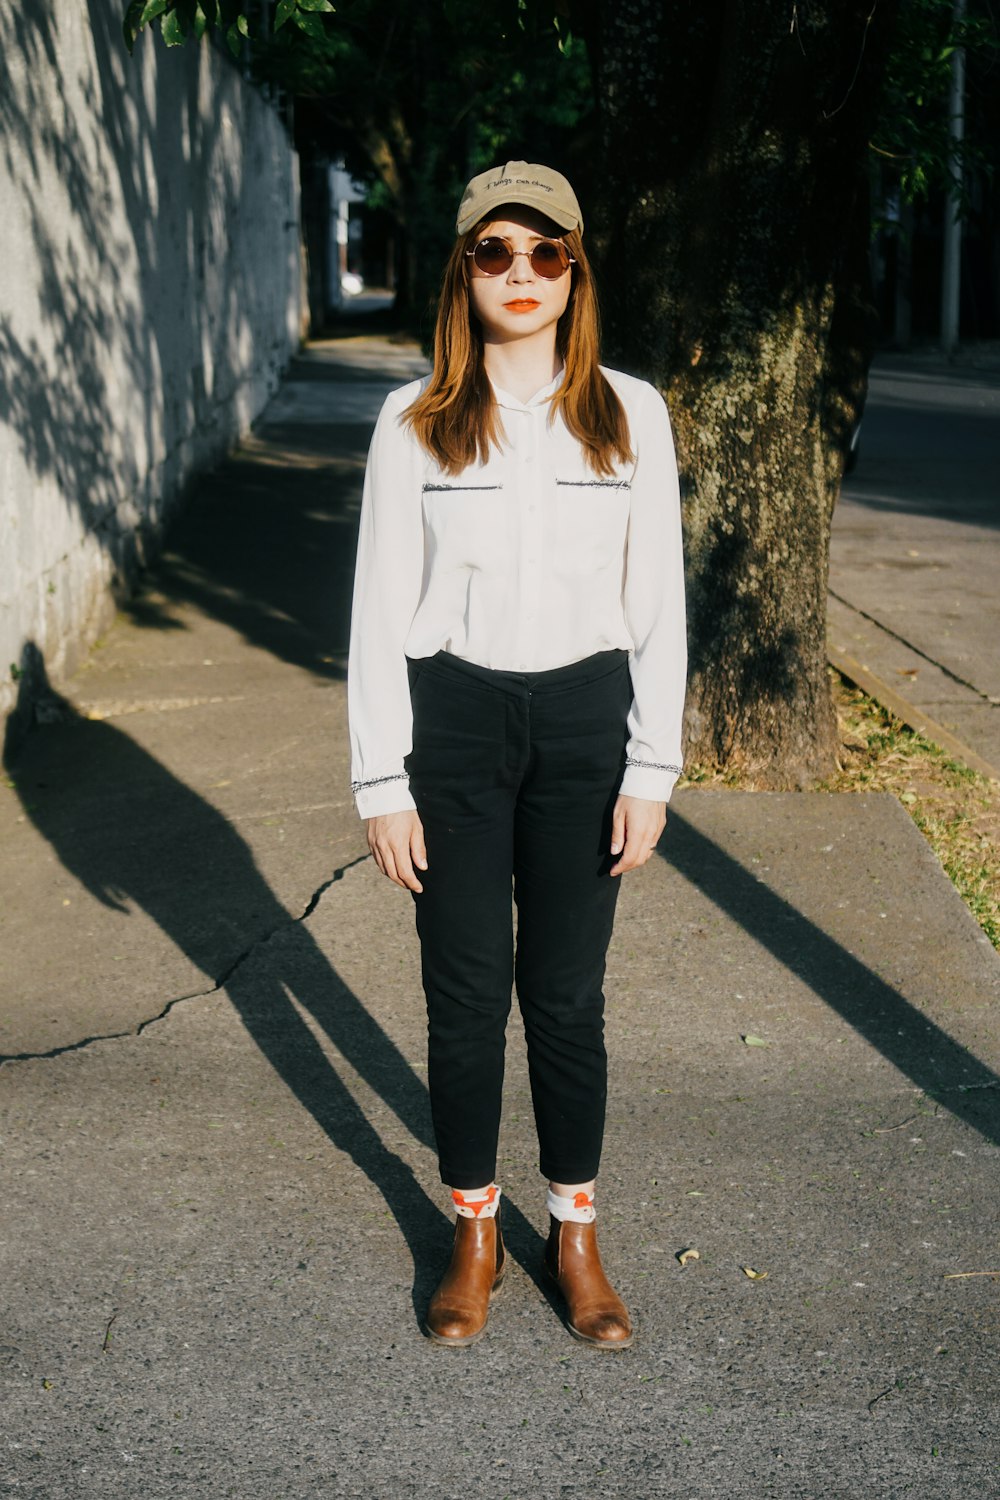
(957, 810)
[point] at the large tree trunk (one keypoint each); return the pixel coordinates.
(732, 235)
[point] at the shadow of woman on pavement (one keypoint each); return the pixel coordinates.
(131, 832)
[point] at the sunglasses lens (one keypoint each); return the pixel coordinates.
(549, 259)
(493, 256)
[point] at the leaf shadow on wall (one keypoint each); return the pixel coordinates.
(126, 345)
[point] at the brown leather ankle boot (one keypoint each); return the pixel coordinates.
(460, 1307)
(597, 1315)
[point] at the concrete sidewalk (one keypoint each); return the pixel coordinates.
(222, 1220)
(916, 543)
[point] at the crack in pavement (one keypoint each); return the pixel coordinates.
(219, 984)
(962, 682)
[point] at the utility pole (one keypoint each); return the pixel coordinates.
(951, 269)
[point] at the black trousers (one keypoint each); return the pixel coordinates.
(515, 775)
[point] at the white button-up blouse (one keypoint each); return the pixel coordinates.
(526, 562)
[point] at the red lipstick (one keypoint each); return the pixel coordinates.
(522, 304)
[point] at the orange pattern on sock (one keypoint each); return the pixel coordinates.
(479, 1204)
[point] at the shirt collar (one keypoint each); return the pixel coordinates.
(504, 398)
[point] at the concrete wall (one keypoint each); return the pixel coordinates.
(150, 296)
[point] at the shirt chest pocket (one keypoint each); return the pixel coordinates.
(465, 524)
(591, 521)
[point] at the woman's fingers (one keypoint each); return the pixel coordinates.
(405, 874)
(633, 855)
(418, 849)
(397, 864)
(618, 827)
(643, 822)
(393, 839)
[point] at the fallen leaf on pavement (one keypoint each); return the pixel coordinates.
(754, 1041)
(685, 1255)
(754, 1275)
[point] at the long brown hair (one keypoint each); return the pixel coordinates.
(457, 419)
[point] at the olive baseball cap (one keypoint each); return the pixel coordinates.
(520, 182)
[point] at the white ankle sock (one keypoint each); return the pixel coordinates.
(479, 1204)
(578, 1210)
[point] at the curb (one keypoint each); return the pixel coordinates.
(910, 715)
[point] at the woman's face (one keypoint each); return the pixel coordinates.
(518, 304)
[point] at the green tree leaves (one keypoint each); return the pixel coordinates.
(180, 19)
(912, 135)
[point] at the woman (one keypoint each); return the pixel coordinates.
(515, 688)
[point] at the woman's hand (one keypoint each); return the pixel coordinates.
(636, 825)
(397, 842)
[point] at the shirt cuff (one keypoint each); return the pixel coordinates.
(387, 794)
(649, 780)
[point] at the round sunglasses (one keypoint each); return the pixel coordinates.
(495, 255)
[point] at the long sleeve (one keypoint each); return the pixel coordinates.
(387, 587)
(653, 599)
